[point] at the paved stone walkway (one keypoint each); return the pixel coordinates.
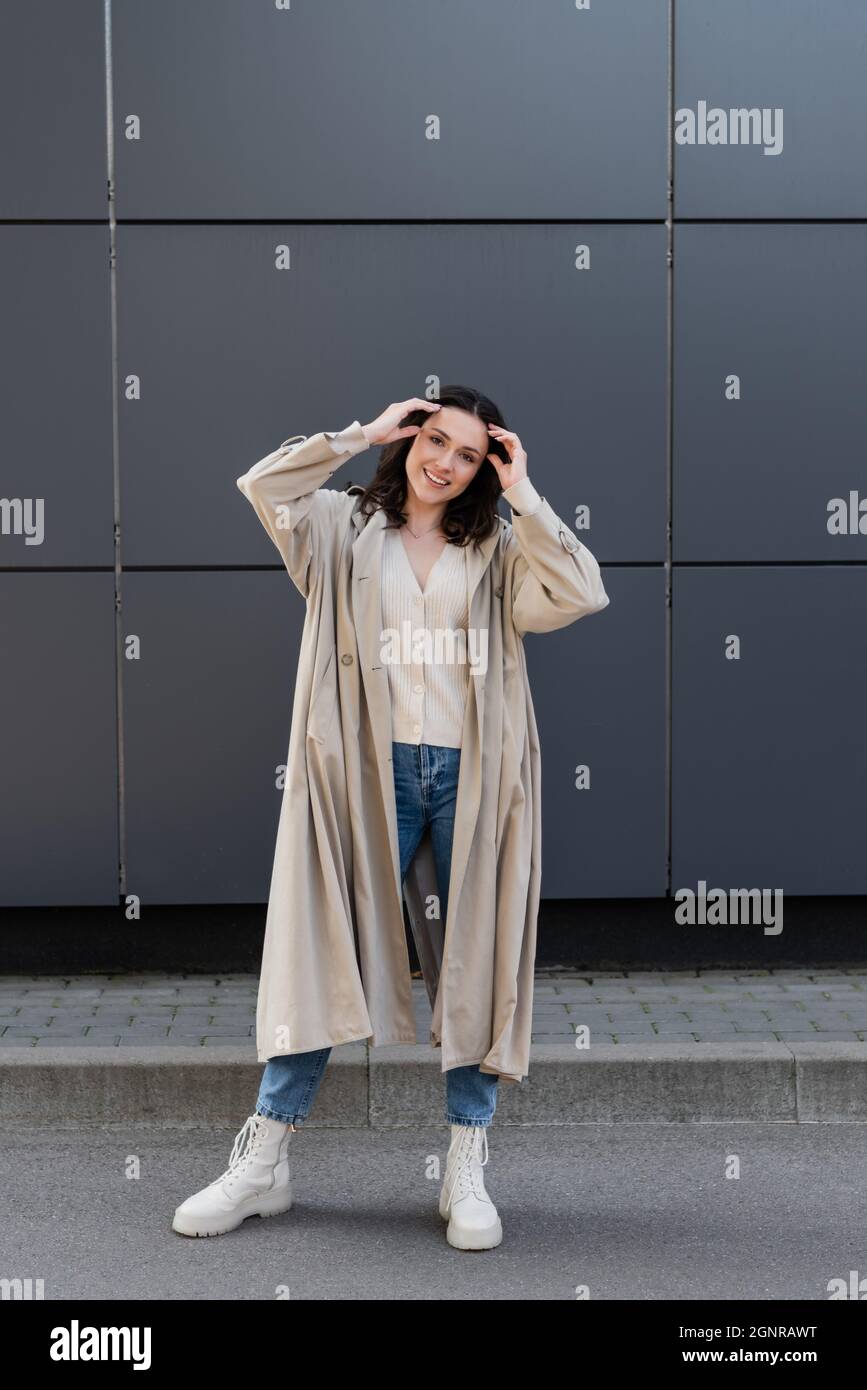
(641, 1006)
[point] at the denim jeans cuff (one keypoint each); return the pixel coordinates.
(296, 1120)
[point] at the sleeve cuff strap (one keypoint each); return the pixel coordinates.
(349, 441)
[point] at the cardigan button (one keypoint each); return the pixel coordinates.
(346, 659)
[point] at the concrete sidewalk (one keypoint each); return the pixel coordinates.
(645, 1007)
(694, 1046)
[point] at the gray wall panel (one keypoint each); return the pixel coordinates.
(234, 356)
(783, 309)
(806, 59)
(53, 155)
(56, 453)
(769, 759)
(321, 110)
(58, 740)
(207, 716)
(599, 695)
(454, 260)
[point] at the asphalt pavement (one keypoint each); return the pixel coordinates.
(646, 1212)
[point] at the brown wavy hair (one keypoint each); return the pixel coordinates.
(473, 514)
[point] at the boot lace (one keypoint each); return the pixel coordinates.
(246, 1142)
(465, 1157)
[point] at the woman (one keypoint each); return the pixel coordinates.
(412, 719)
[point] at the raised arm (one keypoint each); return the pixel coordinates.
(553, 578)
(286, 491)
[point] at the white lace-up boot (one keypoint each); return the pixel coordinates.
(464, 1203)
(256, 1182)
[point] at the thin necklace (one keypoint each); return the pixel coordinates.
(424, 533)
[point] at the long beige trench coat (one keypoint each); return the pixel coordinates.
(335, 965)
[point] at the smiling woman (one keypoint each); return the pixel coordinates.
(438, 477)
(385, 806)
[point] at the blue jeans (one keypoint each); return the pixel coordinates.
(426, 786)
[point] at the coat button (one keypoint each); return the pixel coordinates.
(499, 592)
(569, 542)
(346, 659)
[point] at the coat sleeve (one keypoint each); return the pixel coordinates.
(286, 491)
(554, 579)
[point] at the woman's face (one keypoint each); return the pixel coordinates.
(446, 454)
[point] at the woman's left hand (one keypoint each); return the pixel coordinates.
(516, 468)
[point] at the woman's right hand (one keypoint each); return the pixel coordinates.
(384, 429)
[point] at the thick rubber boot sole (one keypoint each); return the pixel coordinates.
(268, 1205)
(474, 1240)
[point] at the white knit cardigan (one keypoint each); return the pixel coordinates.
(426, 646)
